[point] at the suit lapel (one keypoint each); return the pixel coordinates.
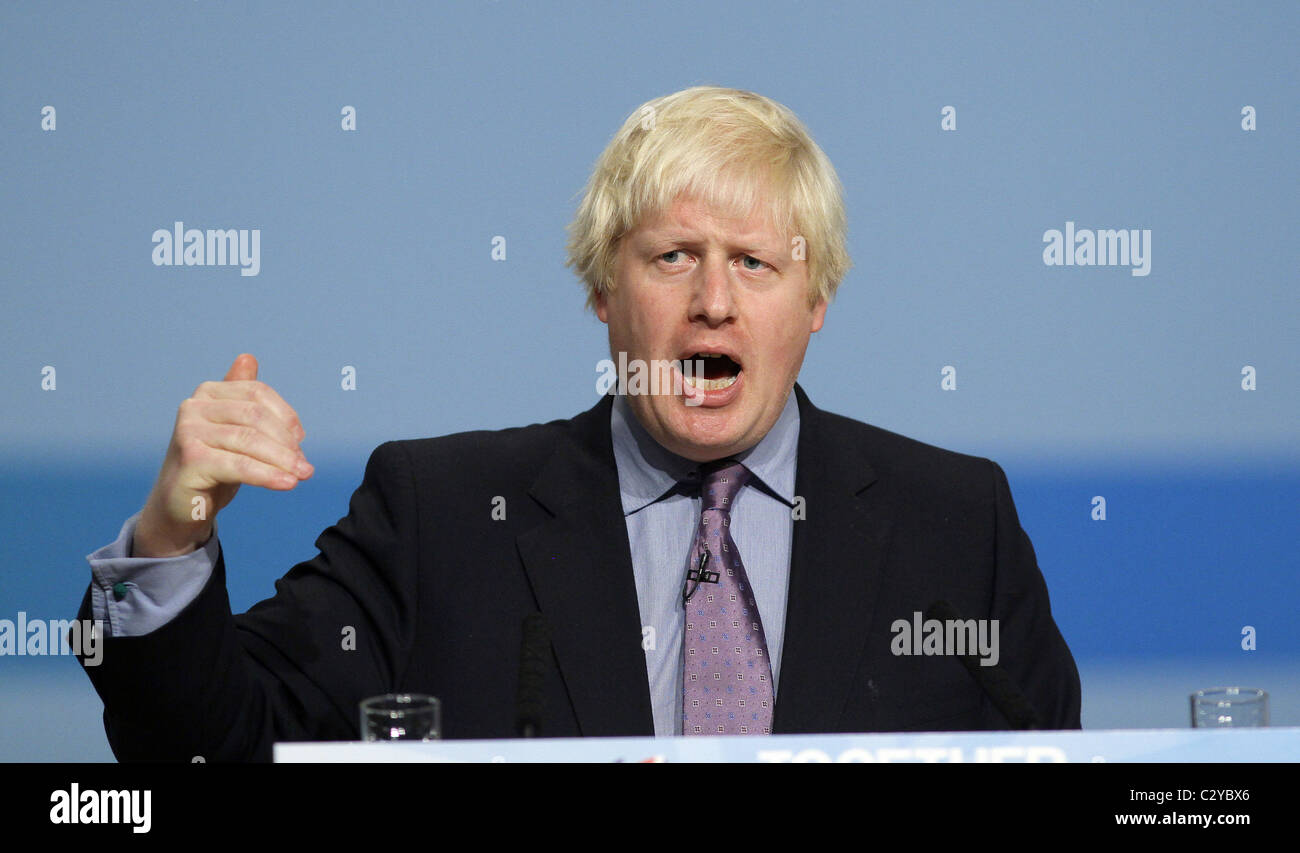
(835, 568)
(580, 567)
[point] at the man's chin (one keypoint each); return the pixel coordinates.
(703, 435)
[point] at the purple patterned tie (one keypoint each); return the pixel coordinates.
(727, 680)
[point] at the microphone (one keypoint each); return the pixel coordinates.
(530, 700)
(993, 680)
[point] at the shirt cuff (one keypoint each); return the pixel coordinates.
(133, 596)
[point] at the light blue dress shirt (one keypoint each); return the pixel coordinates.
(661, 523)
(155, 589)
(660, 519)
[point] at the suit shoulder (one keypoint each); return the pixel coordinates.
(913, 465)
(479, 453)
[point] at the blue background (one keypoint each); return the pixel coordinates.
(484, 119)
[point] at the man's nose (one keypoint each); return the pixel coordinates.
(714, 299)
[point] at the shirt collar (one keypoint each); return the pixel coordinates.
(647, 470)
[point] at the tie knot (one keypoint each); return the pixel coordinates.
(721, 481)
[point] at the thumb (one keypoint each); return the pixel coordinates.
(244, 367)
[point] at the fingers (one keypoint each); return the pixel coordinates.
(240, 430)
(244, 367)
(225, 466)
(245, 427)
(247, 414)
(210, 430)
(257, 392)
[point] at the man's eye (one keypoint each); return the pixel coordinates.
(761, 264)
(665, 255)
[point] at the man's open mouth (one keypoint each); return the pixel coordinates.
(710, 371)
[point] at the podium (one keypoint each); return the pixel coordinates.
(1141, 745)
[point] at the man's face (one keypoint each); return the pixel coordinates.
(693, 282)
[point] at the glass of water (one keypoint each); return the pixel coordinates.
(1223, 707)
(401, 716)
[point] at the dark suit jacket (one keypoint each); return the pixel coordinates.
(435, 591)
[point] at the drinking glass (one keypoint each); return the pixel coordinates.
(401, 716)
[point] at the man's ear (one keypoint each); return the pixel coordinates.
(602, 306)
(819, 315)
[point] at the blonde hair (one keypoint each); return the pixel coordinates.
(728, 148)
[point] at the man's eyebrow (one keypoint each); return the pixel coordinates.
(669, 236)
(746, 242)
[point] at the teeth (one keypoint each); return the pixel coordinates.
(701, 384)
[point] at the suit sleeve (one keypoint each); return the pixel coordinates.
(294, 667)
(1033, 652)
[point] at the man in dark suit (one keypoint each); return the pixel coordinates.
(711, 241)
